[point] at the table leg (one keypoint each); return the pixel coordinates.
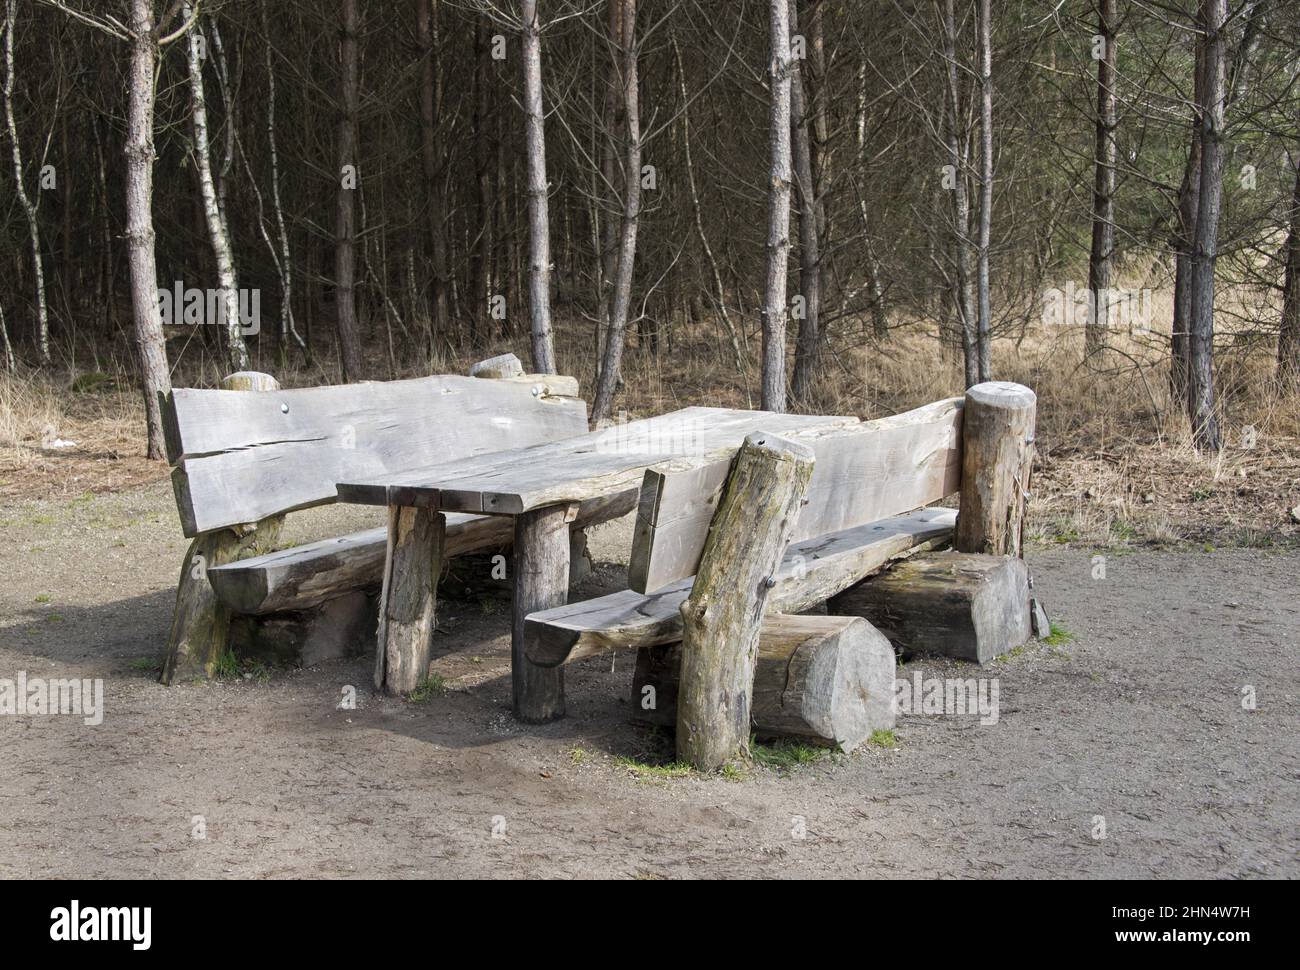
(408, 600)
(541, 561)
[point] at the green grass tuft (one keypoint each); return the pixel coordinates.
(1059, 637)
(784, 755)
(645, 771)
(431, 686)
(883, 738)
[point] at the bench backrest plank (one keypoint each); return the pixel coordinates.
(863, 473)
(242, 456)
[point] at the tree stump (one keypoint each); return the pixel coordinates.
(747, 538)
(826, 679)
(408, 600)
(201, 623)
(956, 604)
(997, 453)
(541, 582)
(502, 366)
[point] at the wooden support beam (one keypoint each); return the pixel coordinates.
(541, 565)
(751, 528)
(825, 679)
(501, 366)
(201, 622)
(408, 601)
(955, 604)
(997, 454)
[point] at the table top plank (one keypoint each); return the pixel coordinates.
(576, 469)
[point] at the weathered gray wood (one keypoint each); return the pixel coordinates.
(997, 454)
(721, 617)
(541, 582)
(811, 572)
(864, 473)
(339, 628)
(240, 457)
(306, 576)
(828, 679)
(201, 622)
(408, 600)
(578, 468)
(957, 604)
(503, 365)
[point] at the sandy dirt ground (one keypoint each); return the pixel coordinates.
(1137, 723)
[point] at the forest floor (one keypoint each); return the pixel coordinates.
(1131, 719)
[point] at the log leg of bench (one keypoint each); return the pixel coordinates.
(201, 622)
(408, 601)
(541, 582)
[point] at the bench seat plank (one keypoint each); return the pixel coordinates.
(308, 575)
(812, 571)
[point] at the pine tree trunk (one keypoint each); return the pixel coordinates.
(345, 301)
(620, 307)
(1200, 392)
(808, 342)
(155, 377)
(984, 324)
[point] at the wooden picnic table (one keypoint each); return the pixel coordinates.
(547, 489)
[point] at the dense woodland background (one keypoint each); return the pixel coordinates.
(806, 204)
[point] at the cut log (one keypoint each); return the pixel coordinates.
(503, 365)
(721, 617)
(811, 572)
(306, 576)
(201, 622)
(997, 454)
(408, 600)
(955, 604)
(826, 679)
(864, 473)
(541, 565)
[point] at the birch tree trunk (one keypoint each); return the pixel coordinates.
(345, 257)
(219, 237)
(808, 343)
(1200, 373)
(20, 189)
(611, 362)
(778, 211)
(983, 331)
(539, 229)
(155, 378)
(1101, 258)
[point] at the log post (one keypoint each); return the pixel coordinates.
(825, 679)
(408, 600)
(753, 524)
(955, 604)
(997, 453)
(541, 564)
(201, 622)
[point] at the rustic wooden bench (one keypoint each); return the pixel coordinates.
(860, 508)
(248, 453)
